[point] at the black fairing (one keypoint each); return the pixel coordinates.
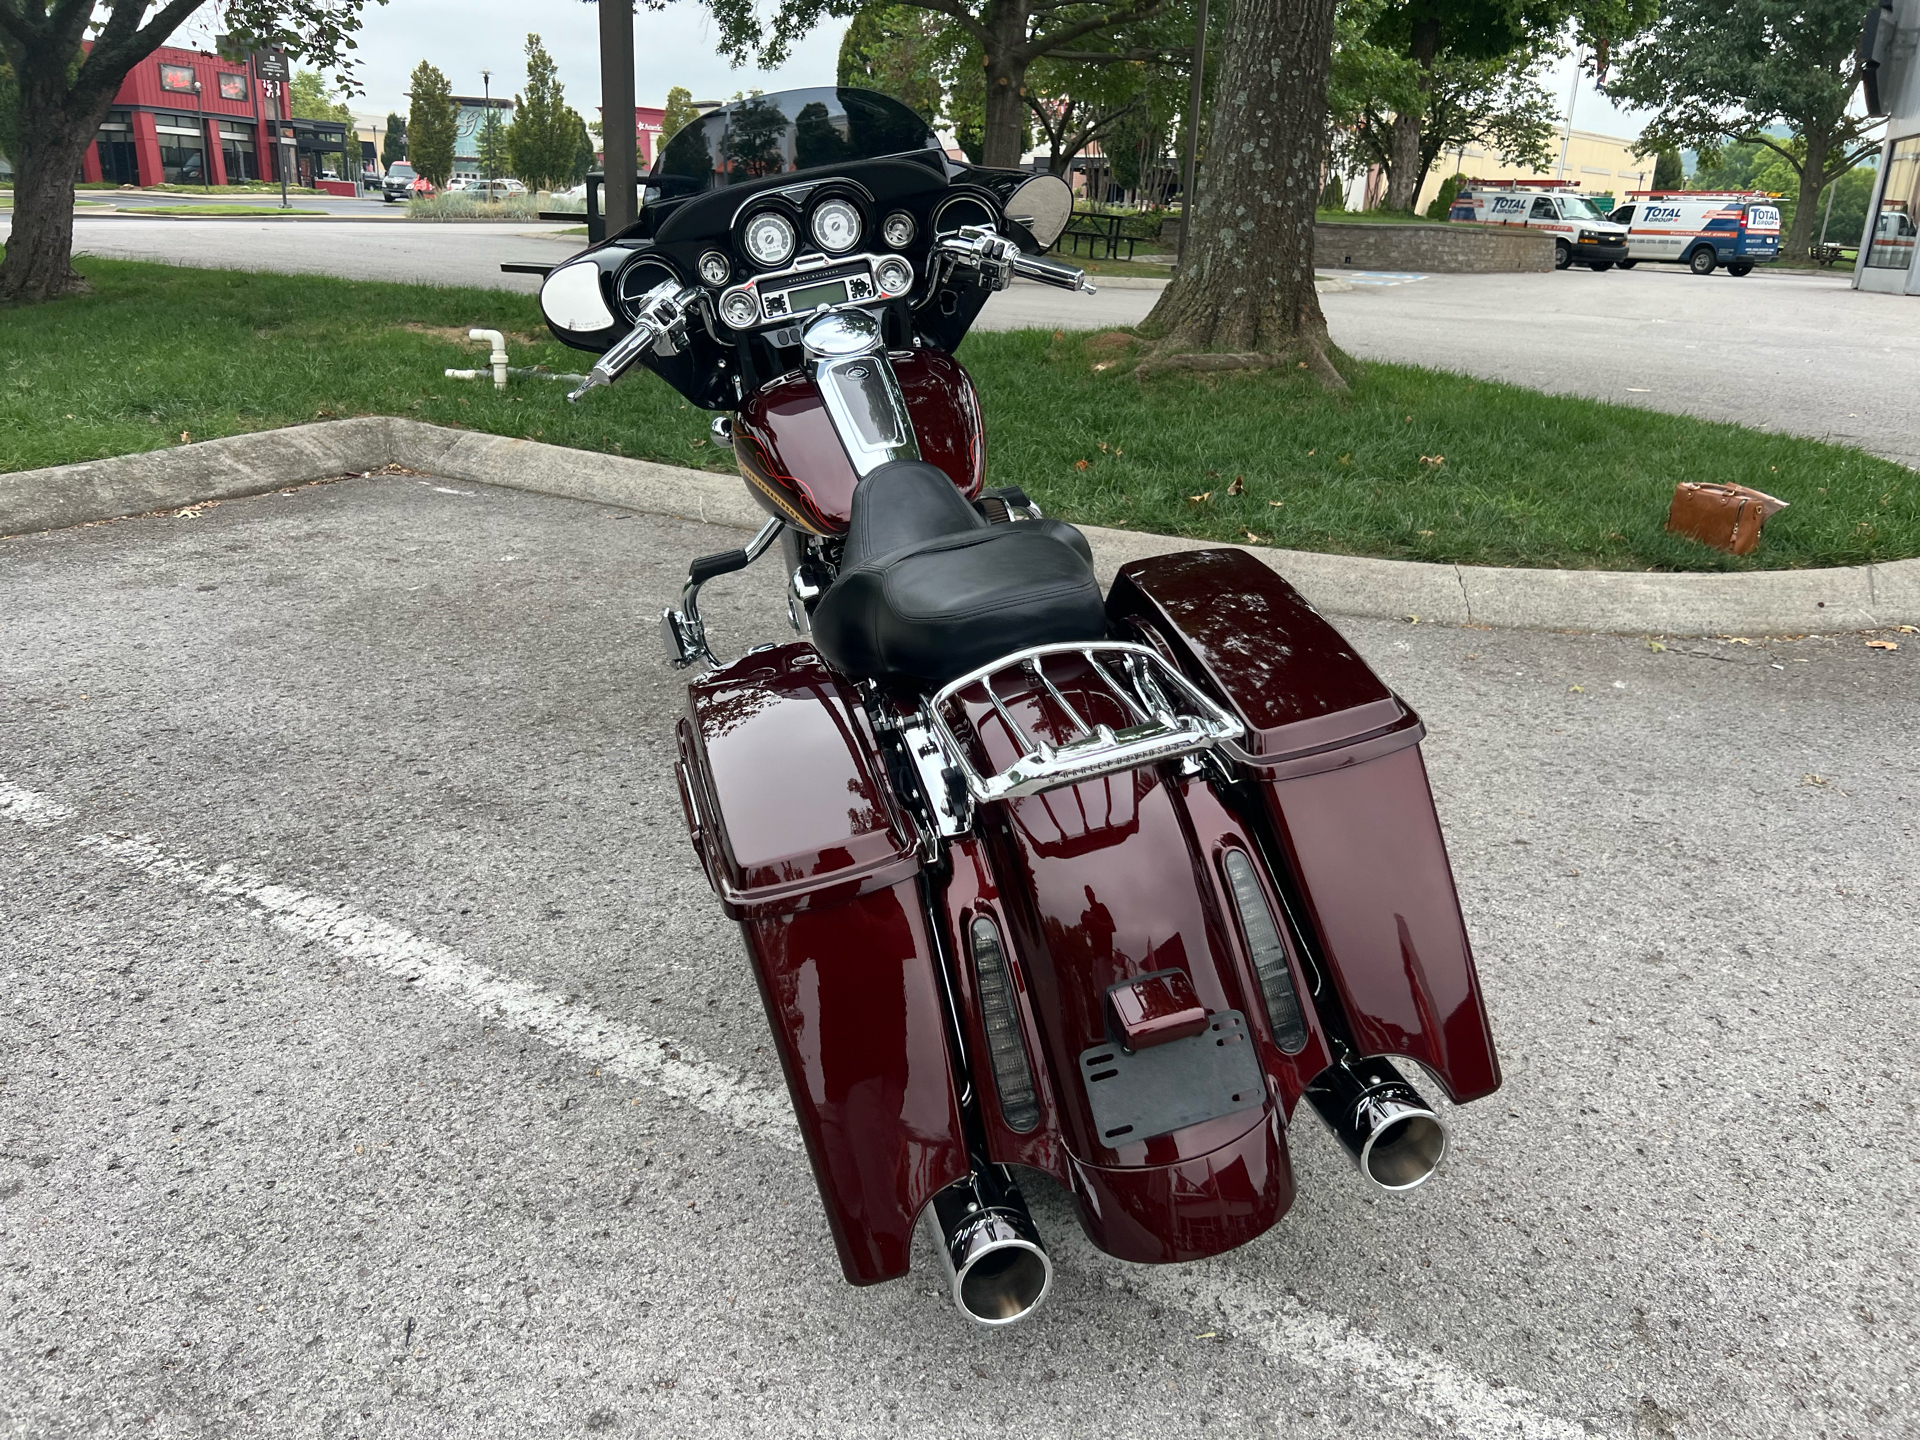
(928, 590)
(719, 365)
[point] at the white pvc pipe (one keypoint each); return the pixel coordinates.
(499, 357)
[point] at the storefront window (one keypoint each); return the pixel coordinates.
(119, 161)
(177, 78)
(237, 152)
(183, 149)
(1897, 224)
(232, 87)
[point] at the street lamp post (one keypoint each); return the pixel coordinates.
(486, 128)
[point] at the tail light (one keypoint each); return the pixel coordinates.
(1268, 954)
(1012, 1075)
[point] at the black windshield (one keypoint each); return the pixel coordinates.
(783, 132)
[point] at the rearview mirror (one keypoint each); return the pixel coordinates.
(1043, 204)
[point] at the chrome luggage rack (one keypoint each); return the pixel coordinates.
(1172, 717)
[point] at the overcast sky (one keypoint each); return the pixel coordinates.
(674, 46)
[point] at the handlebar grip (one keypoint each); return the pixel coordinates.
(619, 356)
(1052, 272)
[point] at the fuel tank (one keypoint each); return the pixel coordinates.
(793, 462)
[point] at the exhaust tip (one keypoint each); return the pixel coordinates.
(1003, 1282)
(1392, 1134)
(1405, 1151)
(996, 1266)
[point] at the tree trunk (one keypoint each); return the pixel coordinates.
(1805, 213)
(1405, 174)
(1006, 113)
(52, 141)
(1246, 283)
(1403, 168)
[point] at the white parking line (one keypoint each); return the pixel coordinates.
(1329, 1346)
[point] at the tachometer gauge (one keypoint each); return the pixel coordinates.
(836, 225)
(769, 238)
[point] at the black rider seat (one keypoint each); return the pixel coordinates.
(930, 589)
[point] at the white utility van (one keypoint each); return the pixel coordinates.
(1582, 234)
(1701, 229)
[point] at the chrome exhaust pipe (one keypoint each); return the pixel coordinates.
(1392, 1134)
(996, 1266)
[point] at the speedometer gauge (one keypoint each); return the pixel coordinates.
(769, 238)
(836, 225)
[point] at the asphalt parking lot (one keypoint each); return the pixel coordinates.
(377, 1062)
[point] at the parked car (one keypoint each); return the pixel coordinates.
(399, 181)
(1701, 230)
(495, 189)
(1581, 234)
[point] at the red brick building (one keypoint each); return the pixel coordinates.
(190, 117)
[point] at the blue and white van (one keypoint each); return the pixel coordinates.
(1700, 229)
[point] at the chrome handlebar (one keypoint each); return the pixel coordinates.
(661, 319)
(999, 259)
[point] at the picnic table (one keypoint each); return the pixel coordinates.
(1101, 232)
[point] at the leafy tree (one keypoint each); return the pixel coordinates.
(490, 145)
(1437, 36)
(583, 155)
(432, 121)
(1140, 149)
(1245, 283)
(1497, 103)
(309, 99)
(394, 147)
(1719, 71)
(1442, 204)
(1852, 192)
(679, 114)
(1011, 35)
(65, 91)
(543, 138)
(899, 50)
(1667, 171)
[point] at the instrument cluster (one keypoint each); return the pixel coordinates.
(771, 257)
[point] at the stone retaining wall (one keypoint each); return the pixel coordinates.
(1459, 248)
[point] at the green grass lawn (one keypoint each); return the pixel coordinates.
(1510, 476)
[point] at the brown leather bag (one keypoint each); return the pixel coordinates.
(1727, 517)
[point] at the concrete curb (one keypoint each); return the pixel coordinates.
(1757, 602)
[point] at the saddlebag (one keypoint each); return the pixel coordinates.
(1336, 757)
(794, 822)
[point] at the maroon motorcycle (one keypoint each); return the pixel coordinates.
(1101, 887)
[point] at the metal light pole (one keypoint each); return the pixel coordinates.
(616, 114)
(1573, 94)
(1193, 131)
(486, 129)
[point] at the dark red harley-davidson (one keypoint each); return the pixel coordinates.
(1029, 877)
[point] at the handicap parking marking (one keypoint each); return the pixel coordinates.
(1381, 277)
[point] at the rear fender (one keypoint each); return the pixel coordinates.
(797, 830)
(1334, 754)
